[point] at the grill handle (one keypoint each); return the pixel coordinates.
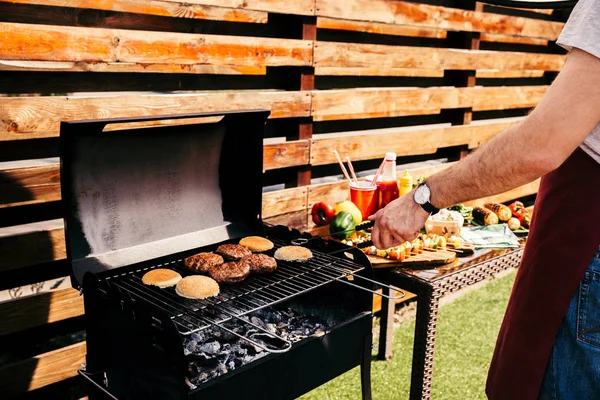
(87, 376)
(288, 345)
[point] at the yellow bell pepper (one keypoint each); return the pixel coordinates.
(350, 208)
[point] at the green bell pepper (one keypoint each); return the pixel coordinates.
(342, 225)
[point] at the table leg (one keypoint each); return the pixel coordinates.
(386, 326)
(365, 369)
(422, 365)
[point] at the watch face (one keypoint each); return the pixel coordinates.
(422, 194)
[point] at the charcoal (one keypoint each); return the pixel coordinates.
(198, 337)
(271, 328)
(211, 348)
(258, 322)
(231, 365)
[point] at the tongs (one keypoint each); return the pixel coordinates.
(360, 227)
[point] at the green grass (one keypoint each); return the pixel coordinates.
(467, 330)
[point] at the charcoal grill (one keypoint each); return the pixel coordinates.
(150, 194)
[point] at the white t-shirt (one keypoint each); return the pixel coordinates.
(582, 31)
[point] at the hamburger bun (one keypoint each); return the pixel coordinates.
(293, 253)
(161, 277)
(257, 244)
(197, 287)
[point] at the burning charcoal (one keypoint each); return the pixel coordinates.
(231, 365)
(198, 337)
(211, 348)
(237, 350)
(282, 325)
(271, 328)
(202, 377)
(190, 347)
(222, 369)
(258, 322)
(248, 359)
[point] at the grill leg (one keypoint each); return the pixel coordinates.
(365, 369)
(422, 365)
(386, 326)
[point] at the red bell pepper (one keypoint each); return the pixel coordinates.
(518, 210)
(322, 213)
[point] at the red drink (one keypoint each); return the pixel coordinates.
(365, 197)
(388, 192)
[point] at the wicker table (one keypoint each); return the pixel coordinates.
(430, 285)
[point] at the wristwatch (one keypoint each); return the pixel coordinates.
(423, 196)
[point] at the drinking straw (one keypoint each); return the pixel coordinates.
(351, 168)
(337, 156)
(379, 171)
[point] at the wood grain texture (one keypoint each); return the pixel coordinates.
(521, 191)
(405, 13)
(379, 28)
(371, 144)
(29, 185)
(298, 7)
(499, 38)
(32, 311)
(164, 8)
(53, 43)
(297, 220)
(284, 201)
(284, 155)
(506, 97)
(355, 55)
(495, 73)
(409, 72)
(82, 66)
(32, 248)
(42, 370)
(35, 117)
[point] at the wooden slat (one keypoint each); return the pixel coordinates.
(29, 185)
(297, 220)
(64, 43)
(365, 145)
(284, 201)
(164, 8)
(500, 98)
(355, 55)
(522, 191)
(494, 73)
(410, 72)
(498, 38)
(42, 370)
(32, 311)
(379, 28)
(300, 7)
(82, 66)
(288, 154)
(405, 13)
(35, 117)
(380, 102)
(31, 248)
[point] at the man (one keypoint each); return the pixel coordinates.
(549, 343)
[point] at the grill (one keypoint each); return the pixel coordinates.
(149, 196)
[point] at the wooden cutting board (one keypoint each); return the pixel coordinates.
(426, 259)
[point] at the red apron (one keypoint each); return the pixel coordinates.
(564, 236)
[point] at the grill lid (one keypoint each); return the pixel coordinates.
(141, 193)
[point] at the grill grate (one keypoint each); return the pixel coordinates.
(234, 301)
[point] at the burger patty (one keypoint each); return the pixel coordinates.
(261, 263)
(202, 262)
(233, 252)
(230, 272)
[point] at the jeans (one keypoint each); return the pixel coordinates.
(573, 370)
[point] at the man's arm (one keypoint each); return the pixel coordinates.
(539, 144)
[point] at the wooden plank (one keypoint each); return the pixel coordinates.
(405, 13)
(284, 201)
(384, 102)
(501, 98)
(42, 370)
(31, 248)
(297, 220)
(65, 43)
(32, 311)
(36, 117)
(287, 154)
(499, 38)
(410, 72)
(164, 8)
(371, 144)
(356, 55)
(299, 7)
(29, 185)
(495, 73)
(82, 66)
(521, 191)
(379, 28)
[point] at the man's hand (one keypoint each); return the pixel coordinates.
(399, 222)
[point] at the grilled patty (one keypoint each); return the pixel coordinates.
(202, 262)
(230, 272)
(261, 263)
(233, 252)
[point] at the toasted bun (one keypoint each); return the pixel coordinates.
(293, 253)
(161, 277)
(257, 244)
(197, 287)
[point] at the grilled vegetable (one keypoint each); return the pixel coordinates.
(484, 216)
(514, 224)
(322, 213)
(503, 212)
(518, 210)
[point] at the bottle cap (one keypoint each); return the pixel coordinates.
(390, 156)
